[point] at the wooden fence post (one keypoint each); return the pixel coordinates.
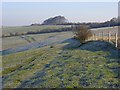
(102, 36)
(109, 37)
(99, 35)
(95, 37)
(116, 38)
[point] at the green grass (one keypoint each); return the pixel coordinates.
(55, 67)
(12, 42)
(23, 29)
(0, 65)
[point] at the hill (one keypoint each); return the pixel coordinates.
(63, 68)
(55, 20)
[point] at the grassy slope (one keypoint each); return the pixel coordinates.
(13, 42)
(57, 67)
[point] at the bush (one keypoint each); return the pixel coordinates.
(51, 46)
(82, 33)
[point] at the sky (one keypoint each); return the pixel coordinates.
(26, 13)
(60, 0)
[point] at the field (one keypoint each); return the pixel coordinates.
(25, 29)
(56, 60)
(22, 29)
(12, 42)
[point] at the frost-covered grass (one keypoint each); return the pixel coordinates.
(56, 66)
(62, 63)
(13, 42)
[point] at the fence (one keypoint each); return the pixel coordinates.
(110, 37)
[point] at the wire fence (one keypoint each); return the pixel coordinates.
(110, 37)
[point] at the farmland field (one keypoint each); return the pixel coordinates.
(106, 30)
(23, 29)
(56, 60)
(12, 42)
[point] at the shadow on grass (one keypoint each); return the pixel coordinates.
(71, 44)
(113, 58)
(92, 46)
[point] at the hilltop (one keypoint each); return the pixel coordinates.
(55, 20)
(61, 20)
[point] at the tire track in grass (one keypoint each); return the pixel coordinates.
(29, 39)
(15, 70)
(42, 59)
(37, 79)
